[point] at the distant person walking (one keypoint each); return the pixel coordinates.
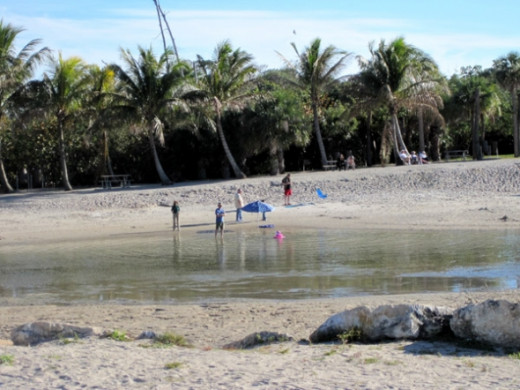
(239, 203)
(175, 212)
(219, 221)
(287, 189)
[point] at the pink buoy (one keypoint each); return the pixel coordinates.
(278, 235)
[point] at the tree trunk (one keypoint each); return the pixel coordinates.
(420, 118)
(319, 139)
(63, 158)
(236, 169)
(3, 176)
(165, 180)
(435, 151)
(369, 139)
(475, 126)
(273, 158)
(106, 154)
(516, 130)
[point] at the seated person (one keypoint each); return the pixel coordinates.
(351, 161)
(414, 158)
(423, 157)
(405, 157)
(340, 163)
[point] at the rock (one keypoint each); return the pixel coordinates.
(386, 322)
(258, 338)
(494, 322)
(147, 334)
(38, 332)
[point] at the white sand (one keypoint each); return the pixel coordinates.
(471, 195)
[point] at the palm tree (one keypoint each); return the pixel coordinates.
(147, 88)
(474, 98)
(61, 95)
(395, 75)
(102, 88)
(223, 82)
(507, 72)
(316, 72)
(15, 69)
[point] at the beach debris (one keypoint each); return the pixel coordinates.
(494, 322)
(257, 339)
(386, 322)
(37, 332)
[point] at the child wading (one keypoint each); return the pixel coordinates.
(175, 211)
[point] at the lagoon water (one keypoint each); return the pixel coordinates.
(192, 266)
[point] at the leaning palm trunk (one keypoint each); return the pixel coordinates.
(3, 176)
(398, 137)
(63, 160)
(165, 180)
(319, 139)
(236, 169)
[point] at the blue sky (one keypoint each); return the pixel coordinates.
(454, 33)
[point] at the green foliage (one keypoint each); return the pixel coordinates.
(353, 334)
(170, 339)
(118, 335)
(515, 355)
(173, 365)
(6, 359)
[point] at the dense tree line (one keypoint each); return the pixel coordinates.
(163, 119)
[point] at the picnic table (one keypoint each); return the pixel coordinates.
(456, 154)
(109, 181)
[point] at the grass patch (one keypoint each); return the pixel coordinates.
(515, 355)
(170, 340)
(370, 360)
(173, 365)
(69, 340)
(351, 335)
(118, 335)
(7, 359)
(284, 351)
(331, 352)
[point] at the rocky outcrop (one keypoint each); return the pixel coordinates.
(386, 322)
(38, 332)
(492, 322)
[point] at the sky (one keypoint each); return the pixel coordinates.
(454, 33)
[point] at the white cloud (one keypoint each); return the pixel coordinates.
(259, 33)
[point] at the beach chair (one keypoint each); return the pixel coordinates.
(320, 193)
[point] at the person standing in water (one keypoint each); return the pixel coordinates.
(175, 212)
(287, 190)
(219, 221)
(239, 203)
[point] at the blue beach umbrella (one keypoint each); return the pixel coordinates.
(258, 207)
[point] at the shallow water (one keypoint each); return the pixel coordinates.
(308, 263)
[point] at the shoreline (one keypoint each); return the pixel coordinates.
(451, 196)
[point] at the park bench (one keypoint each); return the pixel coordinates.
(456, 154)
(331, 165)
(109, 181)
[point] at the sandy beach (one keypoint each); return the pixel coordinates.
(459, 195)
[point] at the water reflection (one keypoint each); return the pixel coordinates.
(308, 263)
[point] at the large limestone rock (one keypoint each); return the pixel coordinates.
(495, 322)
(37, 332)
(386, 322)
